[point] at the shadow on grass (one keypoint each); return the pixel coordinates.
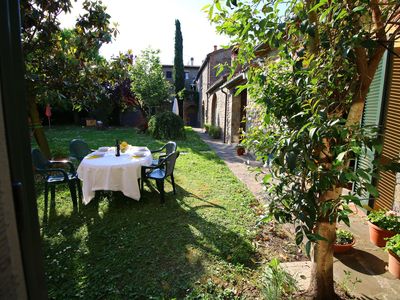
(116, 247)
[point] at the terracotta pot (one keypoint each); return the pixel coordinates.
(339, 248)
(240, 150)
(378, 235)
(394, 264)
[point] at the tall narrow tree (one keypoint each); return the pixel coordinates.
(179, 71)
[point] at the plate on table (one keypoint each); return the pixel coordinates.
(96, 154)
(139, 153)
(102, 149)
(140, 149)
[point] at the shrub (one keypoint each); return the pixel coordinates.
(207, 127)
(214, 131)
(167, 126)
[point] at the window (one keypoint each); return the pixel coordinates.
(168, 74)
(186, 75)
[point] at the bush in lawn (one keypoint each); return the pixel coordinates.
(167, 126)
(207, 127)
(214, 131)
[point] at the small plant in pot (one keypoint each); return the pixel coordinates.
(393, 248)
(240, 150)
(344, 241)
(383, 225)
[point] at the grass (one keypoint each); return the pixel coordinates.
(198, 245)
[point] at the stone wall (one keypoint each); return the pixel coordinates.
(396, 204)
(217, 57)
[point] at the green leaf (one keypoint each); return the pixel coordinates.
(308, 248)
(218, 5)
(267, 178)
(343, 13)
(341, 156)
(312, 132)
(372, 189)
(359, 8)
(299, 237)
(315, 7)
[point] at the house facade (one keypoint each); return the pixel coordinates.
(219, 106)
(190, 103)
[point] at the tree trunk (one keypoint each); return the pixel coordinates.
(38, 131)
(321, 285)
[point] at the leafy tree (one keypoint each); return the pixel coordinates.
(62, 67)
(120, 83)
(179, 70)
(149, 85)
(311, 91)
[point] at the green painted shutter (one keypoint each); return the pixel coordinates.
(372, 115)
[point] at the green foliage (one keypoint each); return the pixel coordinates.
(63, 67)
(393, 244)
(389, 220)
(178, 71)
(207, 127)
(277, 283)
(343, 237)
(148, 82)
(305, 78)
(214, 131)
(166, 126)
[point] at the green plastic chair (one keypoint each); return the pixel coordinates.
(54, 173)
(165, 150)
(160, 172)
(78, 149)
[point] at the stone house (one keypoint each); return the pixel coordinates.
(190, 104)
(215, 102)
(220, 106)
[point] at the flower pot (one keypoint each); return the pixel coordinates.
(394, 264)
(378, 235)
(342, 248)
(240, 151)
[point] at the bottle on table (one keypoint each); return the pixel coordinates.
(117, 148)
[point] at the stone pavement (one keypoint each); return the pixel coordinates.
(362, 271)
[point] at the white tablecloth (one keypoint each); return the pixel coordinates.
(112, 173)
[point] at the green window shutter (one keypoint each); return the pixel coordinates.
(371, 116)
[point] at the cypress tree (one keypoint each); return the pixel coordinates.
(179, 71)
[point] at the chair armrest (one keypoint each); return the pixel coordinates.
(158, 150)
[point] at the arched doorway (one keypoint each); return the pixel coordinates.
(191, 115)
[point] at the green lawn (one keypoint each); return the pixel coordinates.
(199, 244)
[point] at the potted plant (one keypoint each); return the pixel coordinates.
(240, 150)
(344, 241)
(382, 225)
(393, 248)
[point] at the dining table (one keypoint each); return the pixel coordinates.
(104, 170)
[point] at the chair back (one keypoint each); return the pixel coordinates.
(39, 161)
(78, 149)
(170, 147)
(169, 162)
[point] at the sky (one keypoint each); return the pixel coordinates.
(151, 23)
